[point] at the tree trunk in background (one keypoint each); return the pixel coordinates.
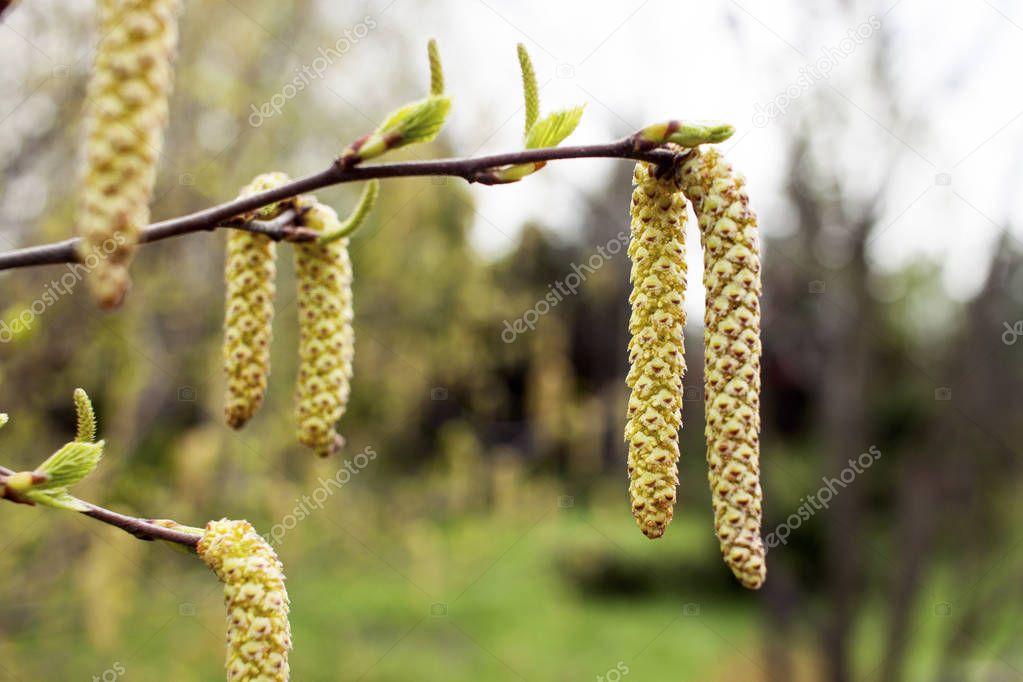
(781, 598)
(844, 317)
(914, 538)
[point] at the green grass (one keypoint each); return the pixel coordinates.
(480, 598)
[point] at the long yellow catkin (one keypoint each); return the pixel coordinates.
(125, 115)
(326, 337)
(249, 274)
(728, 229)
(656, 351)
(258, 631)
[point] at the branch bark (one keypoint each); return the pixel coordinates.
(143, 529)
(229, 214)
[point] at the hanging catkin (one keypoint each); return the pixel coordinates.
(258, 632)
(326, 338)
(125, 114)
(249, 274)
(728, 229)
(656, 352)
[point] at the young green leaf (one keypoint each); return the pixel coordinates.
(417, 122)
(3, 419)
(68, 466)
(530, 91)
(551, 130)
(86, 417)
(412, 124)
(358, 215)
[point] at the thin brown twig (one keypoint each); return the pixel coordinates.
(470, 169)
(144, 529)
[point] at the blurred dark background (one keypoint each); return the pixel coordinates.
(486, 532)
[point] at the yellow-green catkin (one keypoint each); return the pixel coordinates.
(728, 229)
(258, 631)
(125, 114)
(249, 274)
(326, 337)
(656, 352)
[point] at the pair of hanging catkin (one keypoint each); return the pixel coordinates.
(125, 114)
(731, 351)
(326, 337)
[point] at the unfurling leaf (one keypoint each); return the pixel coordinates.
(3, 419)
(686, 133)
(68, 466)
(412, 124)
(550, 131)
(48, 484)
